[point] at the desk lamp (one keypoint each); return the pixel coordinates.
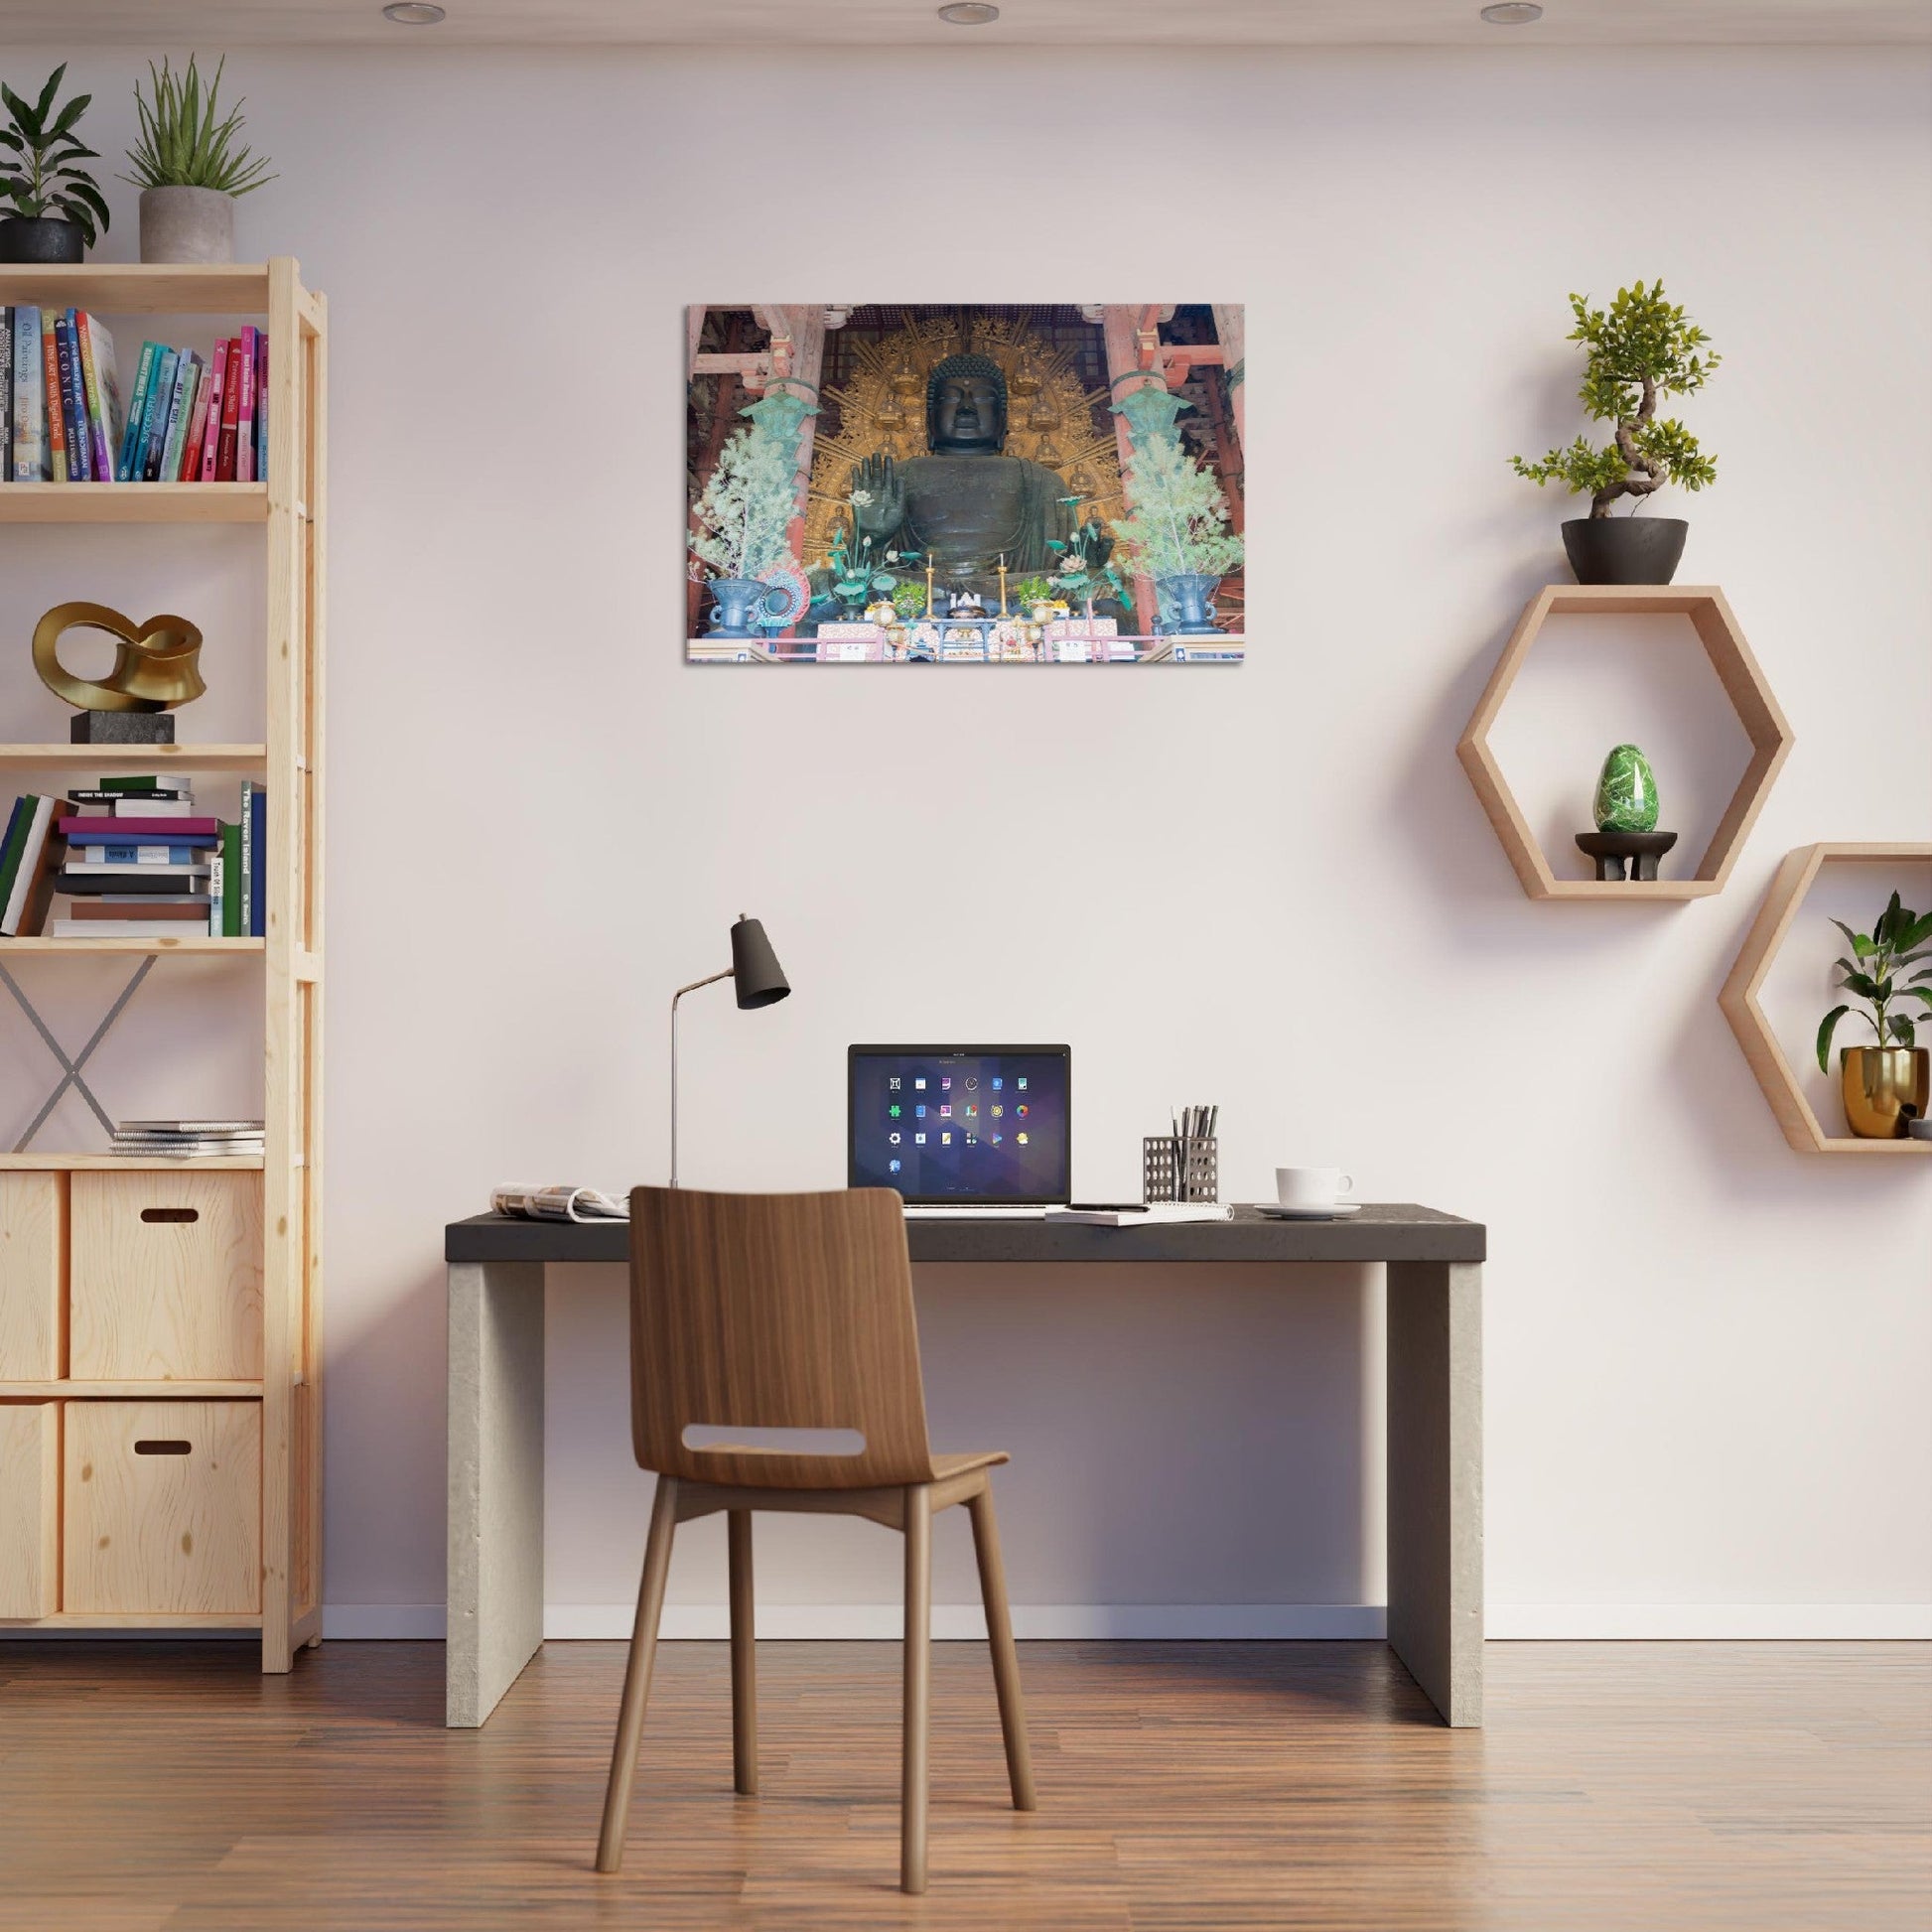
(760, 982)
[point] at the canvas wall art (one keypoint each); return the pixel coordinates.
(977, 483)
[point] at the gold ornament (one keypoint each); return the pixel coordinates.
(155, 665)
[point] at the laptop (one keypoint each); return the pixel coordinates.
(968, 1132)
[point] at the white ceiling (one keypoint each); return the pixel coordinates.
(219, 24)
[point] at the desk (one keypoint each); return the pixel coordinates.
(1435, 1421)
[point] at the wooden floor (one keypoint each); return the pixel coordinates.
(1214, 1786)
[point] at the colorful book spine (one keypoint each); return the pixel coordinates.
(217, 384)
(161, 399)
(57, 426)
(103, 393)
(136, 855)
(17, 823)
(245, 890)
(74, 401)
(33, 881)
(231, 408)
(232, 875)
(6, 395)
(244, 465)
(179, 412)
(261, 406)
(217, 893)
(137, 409)
(258, 867)
(28, 443)
(189, 466)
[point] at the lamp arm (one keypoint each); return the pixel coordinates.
(712, 980)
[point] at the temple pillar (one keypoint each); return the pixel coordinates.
(1123, 334)
(797, 358)
(1230, 326)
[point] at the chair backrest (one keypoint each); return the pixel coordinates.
(774, 1311)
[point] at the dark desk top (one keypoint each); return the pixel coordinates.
(1384, 1231)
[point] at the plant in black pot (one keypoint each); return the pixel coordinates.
(53, 209)
(1640, 351)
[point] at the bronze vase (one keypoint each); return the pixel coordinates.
(1883, 1088)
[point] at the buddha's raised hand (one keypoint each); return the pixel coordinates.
(878, 496)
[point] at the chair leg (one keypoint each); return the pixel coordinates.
(1006, 1660)
(918, 1687)
(636, 1676)
(745, 1678)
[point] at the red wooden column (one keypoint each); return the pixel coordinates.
(1230, 324)
(1126, 328)
(797, 358)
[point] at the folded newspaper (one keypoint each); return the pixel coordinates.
(558, 1205)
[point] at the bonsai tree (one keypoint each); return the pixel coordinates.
(38, 176)
(1900, 938)
(1179, 522)
(1640, 349)
(746, 506)
(183, 144)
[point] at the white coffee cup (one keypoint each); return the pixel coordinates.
(1311, 1187)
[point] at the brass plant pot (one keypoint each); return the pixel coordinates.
(1883, 1088)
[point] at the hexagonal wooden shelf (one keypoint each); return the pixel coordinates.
(1744, 683)
(1795, 877)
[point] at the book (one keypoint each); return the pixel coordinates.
(133, 858)
(73, 403)
(244, 465)
(231, 407)
(231, 882)
(258, 867)
(32, 883)
(17, 823)
(154, 426)
(184, 1147)
(6, 394)
(102, 383)
(122, 805)
(261, 406)
(134, 782)
(217, 384)
(179, 411)
(137, 409)
(201, 1129)
(190, 466)
(135, 882)
(179, 907)
(100, 795)
(56, 428)
(176, 831)
(28, 443)
(120, 929)
(245, 892)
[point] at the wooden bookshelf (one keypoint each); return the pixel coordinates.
(1740, 998)
(286, 514)
(1717, 631)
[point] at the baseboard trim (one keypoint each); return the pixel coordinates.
(1175, 1622)
(1709, 1622)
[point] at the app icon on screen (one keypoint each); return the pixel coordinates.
(893, 1083)
(894, 1138)
(1021, 1138)
(946, 1082)
(971, 1141)
(1021, 1083)
(998, 1083)
(971, 1084)
(893, 1167)
(945, 1140)
(945, 1113)
(919, 1140)
(998, 1110)
(919, 1082)
(1021, 1110)
(892, 1110)
(995, 1140)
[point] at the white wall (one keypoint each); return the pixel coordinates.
(1708, 1359)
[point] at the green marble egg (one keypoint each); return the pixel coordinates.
(1626, 793)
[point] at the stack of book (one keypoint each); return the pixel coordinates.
(189, 418)
(186, 1140)
(139, 863)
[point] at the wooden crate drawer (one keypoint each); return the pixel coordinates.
(162, 1506)
(166, 1281)
(30, 1508)
(33, 1269)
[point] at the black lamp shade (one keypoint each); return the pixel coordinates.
(758, 979)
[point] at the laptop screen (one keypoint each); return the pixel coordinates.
(965, 1124)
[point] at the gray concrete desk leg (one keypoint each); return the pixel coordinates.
(1434, 1320)
(495, 1587)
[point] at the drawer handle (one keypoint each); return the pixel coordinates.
(170, 1213)
(162, 1446)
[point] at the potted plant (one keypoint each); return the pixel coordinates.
(1179, 534)
(187, 168)
(909, 600)
(1033, 593)
(1885, 1086)
(1640, 349)
(53, 206)
(741, 518)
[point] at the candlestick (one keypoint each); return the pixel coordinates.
(1002, 584)
(928, 585)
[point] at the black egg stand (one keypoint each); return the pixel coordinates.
(1613, 850)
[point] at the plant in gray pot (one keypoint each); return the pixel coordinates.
(1637, 353)
(50, 209)
(740, 526)
(189, 169)
(1179, 534)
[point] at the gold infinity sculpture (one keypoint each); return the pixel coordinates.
(154, 662)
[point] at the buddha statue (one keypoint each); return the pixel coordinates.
(967, 503)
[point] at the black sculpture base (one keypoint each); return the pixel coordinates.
(122, 728)
(1610, 850)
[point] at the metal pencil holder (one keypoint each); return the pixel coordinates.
(1179, 1168)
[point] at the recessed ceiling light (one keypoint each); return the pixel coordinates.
(969, 13)
(412, 13)
(1512, 13)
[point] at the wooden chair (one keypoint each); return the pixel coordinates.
(767, 1312)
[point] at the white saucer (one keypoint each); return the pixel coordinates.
(1272, 1211)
